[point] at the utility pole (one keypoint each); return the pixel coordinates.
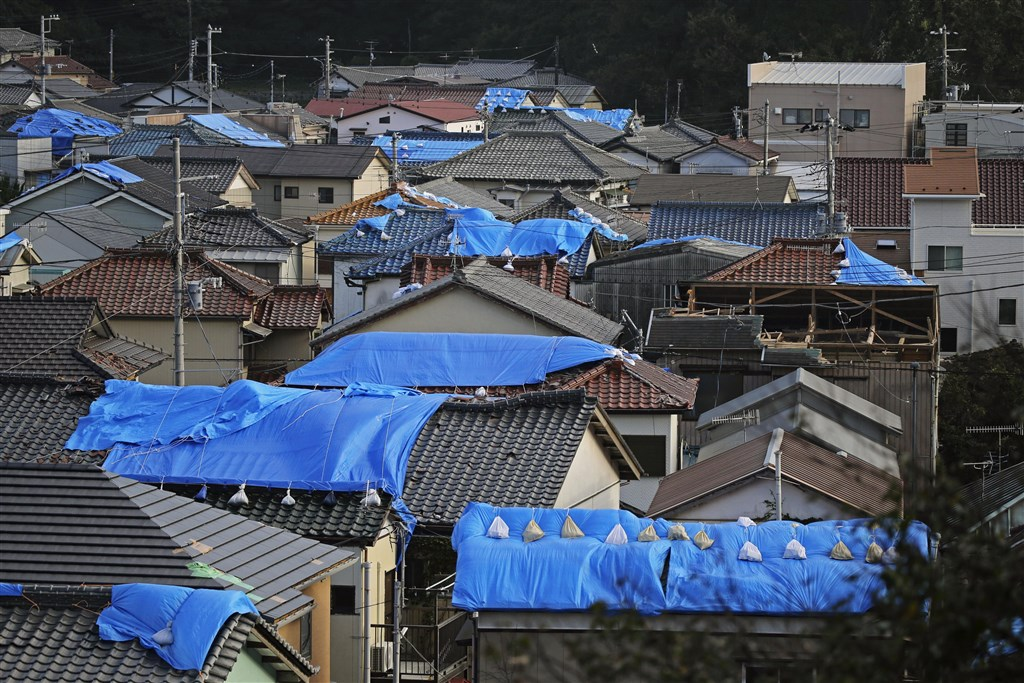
(395, 137)
(271, 81)
(327, 67)
(111, 74)
(399, 593)
(764, 171)
(44, 28)
(830, 163)
(179, 274)
(945, 33)
(370, 44)
(209, 67)
(737, 123)
(191, 44)
(679, 94)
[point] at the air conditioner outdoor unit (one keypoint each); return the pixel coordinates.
(382, 657)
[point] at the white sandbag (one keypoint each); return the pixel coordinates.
(795, 550)
(617, 536)
(746, 522)
(750, 553)
(498, 529)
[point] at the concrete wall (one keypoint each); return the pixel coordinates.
(347, 300)
(592, 482)
(19, 156)
(986, 128)
(991, 271)
(643, 161)
(458, 310)
(652, 424)
(755, 499)
(224, 337)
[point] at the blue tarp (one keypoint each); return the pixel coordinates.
(535, 237)
(613, 118)
(230, 128)
(864, 269)
(425, 151)
(259, 435)
(9, 240)
(394, 201)
(102, 169)
(690, 238)
(139, 610)
(511, 98)
(8, 589)
(62, 127)
(413, 359)
(559, 574)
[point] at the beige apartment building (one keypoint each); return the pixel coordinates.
(876, 101)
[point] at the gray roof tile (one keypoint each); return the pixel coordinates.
(92, 224)
(757, 224)
(464, 195)
(310, 161)
(527, 120)
(233, 228)
(565, 200)
(38, 415)
(704, 332)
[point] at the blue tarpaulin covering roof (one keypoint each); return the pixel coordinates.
(9, 240)
(574, 574)
(101, 169)
(425, 151)
(689, 238)
(11, 589)
(527, 238)
(230, 128)
(511, 98)
(196, 616)
(414, 359)
(62, 127)
(864, 269)
(613, 118)
(256, 434)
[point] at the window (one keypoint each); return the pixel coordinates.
(510, 203)
(945, 258)
(649, 452)
(343, 599)
(956, 134)
(795, 116)
(947, 340)
(384, 119)
(1007, 311)
(277, 193)
(858, 118)
(820, 115)
(325, 195)
(291, 192)
(306, 635)
(267, 271)
(885, 244)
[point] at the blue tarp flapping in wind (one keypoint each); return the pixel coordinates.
(230, 128)
(139, 610)
(413, 359)
(62, 127)
(574, 574)
(537, 237)
(864, 269)
(259, 435)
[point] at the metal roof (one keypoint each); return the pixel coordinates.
(828, 73)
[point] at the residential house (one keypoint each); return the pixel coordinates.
(876, 99)
(995, 502)
(463, 195)
(240, 324)
(656, 148)
(420, 148)
(553, 121)
(21, 97)
(479, 298)
(143, 140)
(26, 162)
(654, 188)
(72, 134)
(291, 122)
(183, 96)
(245, 240)
(442, 115)
(110, 530)
(993, 128)
(15, 42)
(473, 69)
(468, 95)
(575, 90)
(29, 68)
(132, 192)
(227, 179)
(304, 180)
(728, 156)
(523, 169)
(54, 635)
(17, 258)
(63, 340)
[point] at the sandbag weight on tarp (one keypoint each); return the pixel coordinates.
(498, 528)
(678, 533)
(570, 529)
(532, 532)
(647, 535)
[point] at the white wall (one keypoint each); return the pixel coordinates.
(652, 424)
(592, 482)
(715, 160)
(748, 500)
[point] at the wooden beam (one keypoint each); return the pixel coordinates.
(772, 297)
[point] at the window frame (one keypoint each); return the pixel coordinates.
(948, 336)
(959, 135)
(1007, 315)
(948, 264)
(322, 192)
(854, 118)
(821, 115)
(291, 191)
(793, 116)
(277, 193)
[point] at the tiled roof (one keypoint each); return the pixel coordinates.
(804, 262)
(45, 337)
(296, 307)
(667, 141)
(849, 480)
(93, 225)
(50, 634)
(14, 94)
(231, 227)
(138, 284)
(402, 231)
(348, 214)
(529, 120)
(439, 110)
(641, 386)
(157, 188)
(563, 201)
(547, 76)
(62, 64)
(468, 95)
(487, 69)
(755, 224)
(744, 147)
(514, 452)
(394, 262)
(949, 171)
(464, 195)
(122, 358)
(542, 271)
(870, 191)
(357, 75)
(657, 187)
(38, 415)
(299, 161)
(494, 283)
(740, 332)
(110, 530)
(12, 39)
(548, 157)
(330, 107)
(212, 175)
(346, 522)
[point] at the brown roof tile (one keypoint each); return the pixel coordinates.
(848, 479)
(348, 214)
(542, 271)
(293, 307)
(619, 386)
(951, 171)
(789, 261)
